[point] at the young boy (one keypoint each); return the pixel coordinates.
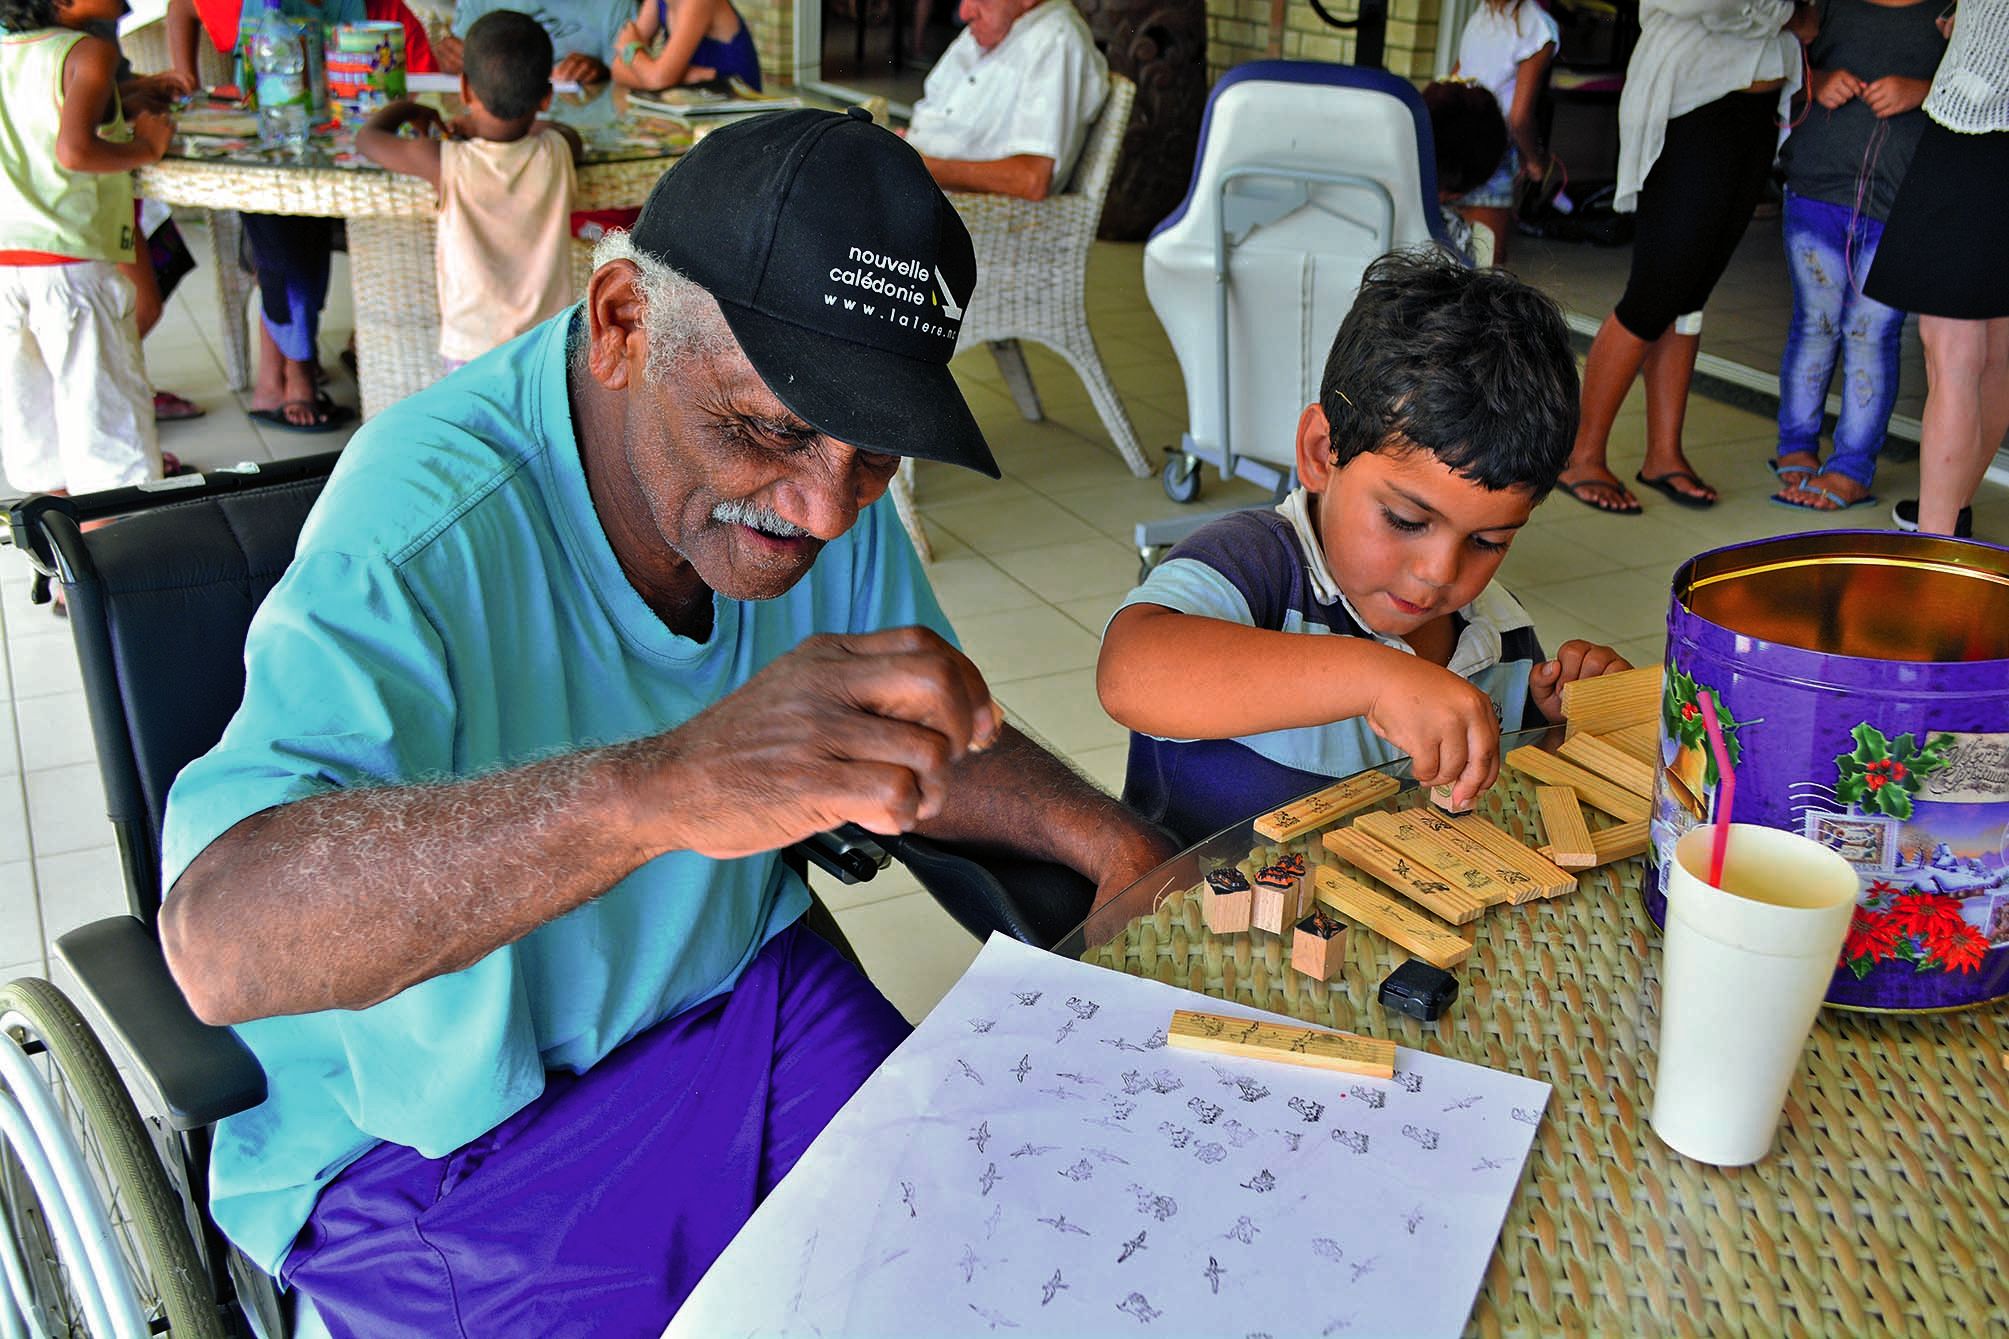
(76, 412)
(505, 183)
(1358, 621)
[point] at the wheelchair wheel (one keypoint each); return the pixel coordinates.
(1181, 477)
(95, 1239)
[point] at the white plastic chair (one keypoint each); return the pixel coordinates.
(1306, 172)
(1032, 283)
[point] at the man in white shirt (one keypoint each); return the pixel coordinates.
(1009, 104)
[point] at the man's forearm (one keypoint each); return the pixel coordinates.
(1028, 176)
(1018, 797)
(344, 899)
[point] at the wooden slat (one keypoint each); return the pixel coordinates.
(1425, 936)
(1595, 791)
(1327, 807)
(1605, 759)
(1612, 701)
(1285, 1043)
(1428, 838)
(1620, 842)
(1424, 886)
(1638, 741)
(1562, 821)
(1550, 879)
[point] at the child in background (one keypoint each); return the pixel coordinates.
(505, 183)
(1358, 621)
(1467, 137)
(1506, 47)
(1872, 65)
(76, 412)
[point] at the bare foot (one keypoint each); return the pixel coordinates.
(1600, 490)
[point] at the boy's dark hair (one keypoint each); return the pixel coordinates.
(1468, 133)
(27, 16)
(508, 63)
(1472, 366)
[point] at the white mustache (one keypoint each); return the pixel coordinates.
(739, 511)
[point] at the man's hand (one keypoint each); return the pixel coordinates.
(579, 68)
(1894, 95)
(1446, 726)
(450, 52)
(858, 730)
(1832, 88)
(1574, 660)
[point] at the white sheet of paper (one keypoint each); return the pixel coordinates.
(1035, 1158)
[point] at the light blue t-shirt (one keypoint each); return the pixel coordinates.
(588, 27)
(455, 607)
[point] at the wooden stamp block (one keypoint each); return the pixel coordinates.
(1621, 841)
(1549, 879)
(1598, 755)
(1422, 885)
(1431, 840)
(1279, 894)
(1612, 701)
(1595, 791)
(1318, 946)
(1226, 902)
(1425, 936)
(1441, 797)
(1327, 807)
(1562, 820)
(1289, 1043)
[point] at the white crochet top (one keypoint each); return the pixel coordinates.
(1970, 93)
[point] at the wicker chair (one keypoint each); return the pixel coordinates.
(146, 47)
(1032, 271)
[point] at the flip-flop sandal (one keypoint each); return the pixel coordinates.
(330, 416)
(169, 407)
(1664, 484)
(1617, 490)
(1790, 475)
(1840, 503)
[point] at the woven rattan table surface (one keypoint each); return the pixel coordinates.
(1882, 1209)
(276, 188)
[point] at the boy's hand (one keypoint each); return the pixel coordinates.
(153, 131)
(1574, 660)
(1832, 88)
(1446, 726)
(1894, 95)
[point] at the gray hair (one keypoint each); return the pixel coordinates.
(680, 317)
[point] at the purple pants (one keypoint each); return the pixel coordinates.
(596, 1209)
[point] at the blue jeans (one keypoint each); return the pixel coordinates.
(1831, 318)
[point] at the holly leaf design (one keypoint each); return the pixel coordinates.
(1862, 966)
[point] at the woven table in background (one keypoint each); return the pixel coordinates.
(1882, 1209)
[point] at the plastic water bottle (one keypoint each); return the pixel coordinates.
(280, 79)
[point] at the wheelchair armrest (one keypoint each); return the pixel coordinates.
(196, 1073)
(1033, 901)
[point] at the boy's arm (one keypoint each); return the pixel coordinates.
(416, 156)
(1183, 676)
(1574, 660)
(571, 137)
(90, 74)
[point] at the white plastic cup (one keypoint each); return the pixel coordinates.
(1744, 968)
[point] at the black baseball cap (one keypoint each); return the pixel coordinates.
(841, 268)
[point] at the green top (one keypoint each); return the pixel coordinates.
(44, 206)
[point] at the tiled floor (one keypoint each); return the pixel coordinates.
(1028, 568)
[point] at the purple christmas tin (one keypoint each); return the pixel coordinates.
(1862, 679)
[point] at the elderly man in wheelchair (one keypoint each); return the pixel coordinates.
(484, 870)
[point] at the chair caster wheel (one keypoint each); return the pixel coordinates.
(1181, 477)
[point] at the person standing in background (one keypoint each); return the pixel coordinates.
(1942, 258)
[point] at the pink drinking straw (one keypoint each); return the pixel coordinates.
(1726, 786)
